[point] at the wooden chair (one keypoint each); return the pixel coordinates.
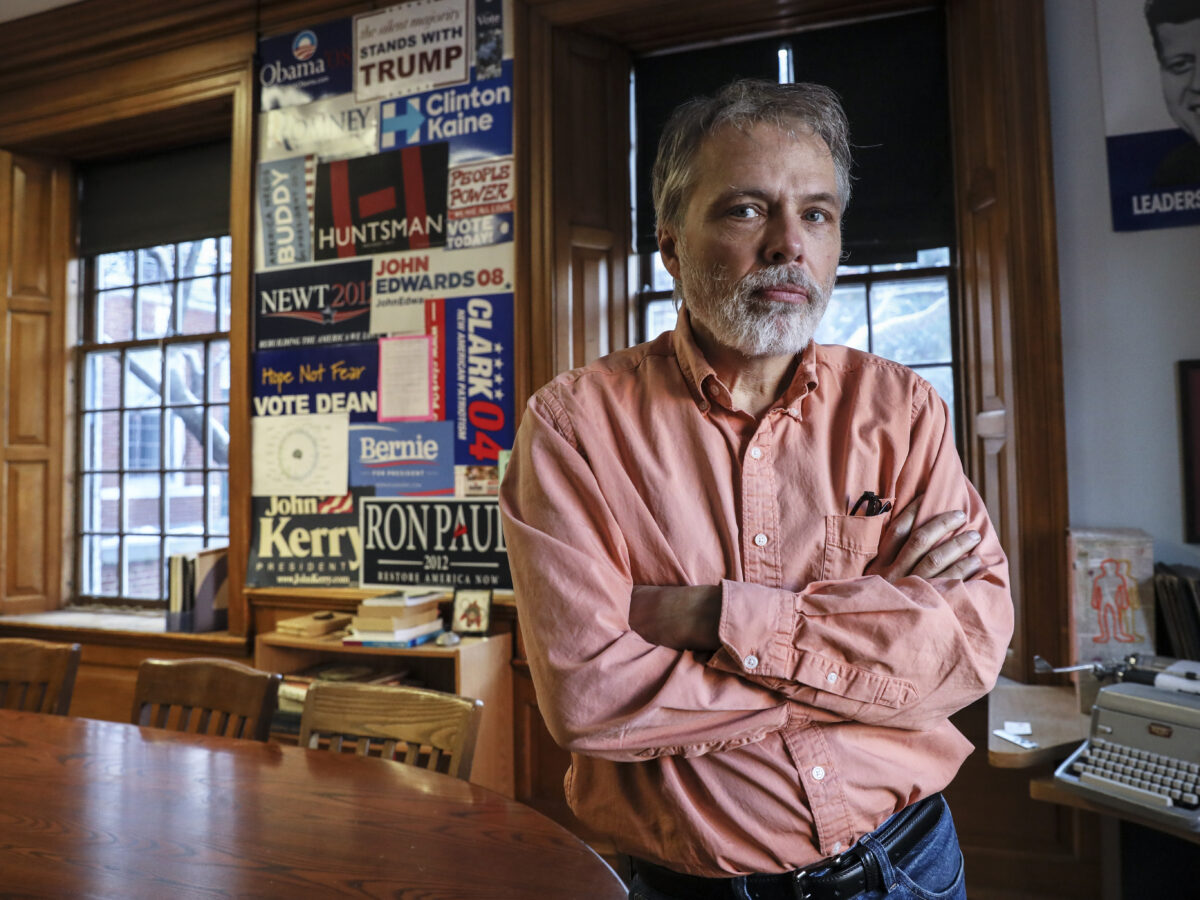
(37, 676)
(431, 729)
(206, 696)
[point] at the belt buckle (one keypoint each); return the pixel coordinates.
(799, 882)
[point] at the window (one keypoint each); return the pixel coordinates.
(153, 407)
(901, 311)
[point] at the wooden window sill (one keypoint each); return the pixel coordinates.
(120, 629)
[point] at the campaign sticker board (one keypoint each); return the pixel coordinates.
(1152, 128)
(312, 305)
(416, 46)
(380, 204)
(335, 128)
(306, 65)
(318, 380)
(476, 119)
(456, 542)
(284, 199)
(413, 459)
(305, 542)
(403, 281)
(479, 341)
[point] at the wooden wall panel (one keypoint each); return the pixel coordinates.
(31, 357)
(29, 275)
(35, 205)
(26, 564)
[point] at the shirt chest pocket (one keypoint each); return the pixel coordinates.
(850, 543)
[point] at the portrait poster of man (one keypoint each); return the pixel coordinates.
(1151, 86)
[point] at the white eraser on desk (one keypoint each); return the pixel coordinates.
(1018, 727)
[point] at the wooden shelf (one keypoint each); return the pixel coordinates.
(1053, 711)
(478, 667)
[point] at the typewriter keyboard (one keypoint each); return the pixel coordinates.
(1138, 775)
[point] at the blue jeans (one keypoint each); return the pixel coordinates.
(932, 870)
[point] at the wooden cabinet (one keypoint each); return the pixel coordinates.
(478, 667)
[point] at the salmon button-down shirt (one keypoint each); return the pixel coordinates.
(825, 710)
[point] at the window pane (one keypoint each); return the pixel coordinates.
(199, 258)
(218, 371)
(102, 381)
(99, 499)
(143, 377)
(185, 436)
(183, 545)
(852, 270)
(156, 264)
(198, 303)
(185, 373)
(225, 306)
(114, 316)
(911, 320)
(98, 564)
(218, 503)
(139, 495)
(143, 568)
(226, 253)
(101, 441)
(142, 439)
(925, 259)
(218, 436)
(185, 502)
(114, 269)
(154, 311)
(845, 320)
(660, 316)
(662, 278)
(942, 379)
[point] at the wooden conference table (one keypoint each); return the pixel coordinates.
(102, 809)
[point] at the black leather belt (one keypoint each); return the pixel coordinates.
(839, 877)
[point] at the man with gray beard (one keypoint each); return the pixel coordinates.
(752, 578)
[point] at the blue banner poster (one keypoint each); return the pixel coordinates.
(475, 119)
(317, 380)
(403, 459)
(380, 204)
(305, 541)
(283, 201)
(1151, 119)
(302, 66)
(313, 305)
(479, 336)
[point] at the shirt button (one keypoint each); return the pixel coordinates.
(837, 847)
(793, 412)
(756, 453)
(760, 539)
(750, 662)
(831, 677)
(818, 773)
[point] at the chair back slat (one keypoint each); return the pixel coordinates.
(206, 696)
(428, 728)
(37, 676)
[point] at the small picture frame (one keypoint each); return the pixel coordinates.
(472, 611)
(1189, 397)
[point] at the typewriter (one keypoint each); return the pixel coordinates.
(1142, 754)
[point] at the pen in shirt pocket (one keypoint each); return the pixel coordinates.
(871, 504)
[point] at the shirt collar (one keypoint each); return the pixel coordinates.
(702, 380)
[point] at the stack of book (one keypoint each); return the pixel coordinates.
(1177, 588)
(198, 590)
(294, 687)
(404, 618)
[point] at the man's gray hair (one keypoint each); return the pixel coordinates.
(744, 104)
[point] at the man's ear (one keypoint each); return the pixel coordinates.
(668, 250)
